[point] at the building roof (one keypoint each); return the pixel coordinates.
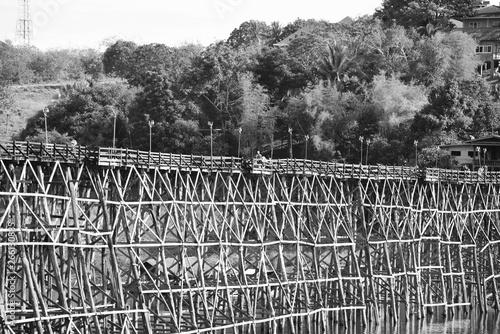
(304, 31)
(490, 140)
(457, 24)
(457, 145)
(346, 20)
(487, 10)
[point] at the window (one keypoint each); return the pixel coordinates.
(475, 24)
(456, 153)
(483, 49)
(470, 154)
(495, 23)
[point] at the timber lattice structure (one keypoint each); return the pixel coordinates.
(122, 241)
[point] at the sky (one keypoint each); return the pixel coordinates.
(94, 23)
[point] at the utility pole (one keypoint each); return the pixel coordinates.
(24, 29)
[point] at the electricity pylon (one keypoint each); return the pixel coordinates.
(24, 29)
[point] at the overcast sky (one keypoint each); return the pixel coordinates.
(87, 23)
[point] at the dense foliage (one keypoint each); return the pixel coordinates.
(377, 85)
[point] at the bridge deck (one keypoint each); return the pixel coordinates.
(123, 157)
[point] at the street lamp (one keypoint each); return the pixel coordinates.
(368, 141)
(478, 149)
(361, 138)
(291, 144)
(415, 143)
(7, 115)
(437, 156)
(211, 124)
(239, 141)
(115, 114)
(150, 123)
(307, 139)
(45, 113)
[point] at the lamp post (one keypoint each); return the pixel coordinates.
(437, 156)
(361, 138)
(239, 141)
(211, 124)
(7, 115)
(45, 113)
(150, 123)
(478, 149)
(307, 140)
(291, 144)
(368, 141)
(415, 143)
(115, 114)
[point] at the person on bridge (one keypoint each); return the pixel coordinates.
(258, 159)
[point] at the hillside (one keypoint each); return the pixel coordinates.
(28, 100)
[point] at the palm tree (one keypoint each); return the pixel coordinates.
(257, 31)
(336, 64)
(275, 33)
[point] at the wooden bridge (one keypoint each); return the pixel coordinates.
(123, 241)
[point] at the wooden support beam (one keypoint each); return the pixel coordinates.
(256, 251)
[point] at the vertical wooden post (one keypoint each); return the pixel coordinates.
(479, 282)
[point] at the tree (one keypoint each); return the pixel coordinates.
(92, 65)
(14, 61)
(279, 73)
(336, 65)
(118, 58)
(456, 111)
(157, 100)
(442, 58)
(6, 104)
(328, 121)
(87, 115)
(398, 101)
(309, 47)
(257, 118)
(214, 81)
(181, 136)
(249, 33)
(421, 13)
(292, 27)
(6, 99)
(386, 50)
(150, 58)
(275, 33)
(339, 60)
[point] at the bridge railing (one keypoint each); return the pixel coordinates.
(44, 152)
(122, 157)
(452, 175)
(127, 157)
(287, 166)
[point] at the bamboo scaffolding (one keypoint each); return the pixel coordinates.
(111, 245)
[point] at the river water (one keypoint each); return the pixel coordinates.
(475, 323)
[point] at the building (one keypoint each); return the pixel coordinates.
(477, 152)
(484, 26)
